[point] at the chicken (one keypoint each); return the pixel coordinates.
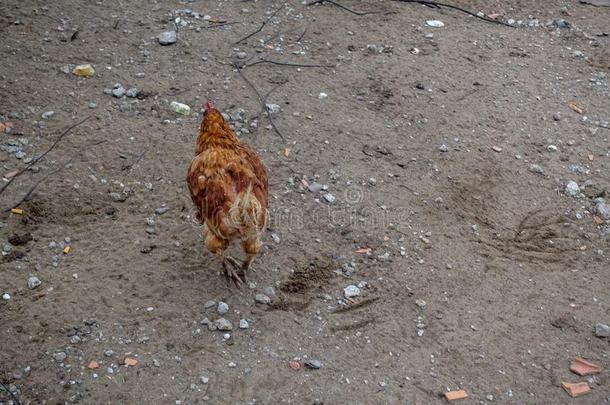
(228, 185)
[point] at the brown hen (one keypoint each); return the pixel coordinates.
(228, 185)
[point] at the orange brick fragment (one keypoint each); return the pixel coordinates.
(293, 364)
(17, 211)
(93, 365)
(576, 389)
(455, 395)
(67, 249)
(130, 362)
(581, 366)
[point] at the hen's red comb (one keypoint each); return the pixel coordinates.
(208, 105)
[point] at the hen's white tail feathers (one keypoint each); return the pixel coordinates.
(245, 213)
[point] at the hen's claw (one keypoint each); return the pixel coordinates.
(230, 273)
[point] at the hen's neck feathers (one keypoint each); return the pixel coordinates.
(214, 131)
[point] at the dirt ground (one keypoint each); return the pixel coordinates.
(447, 155)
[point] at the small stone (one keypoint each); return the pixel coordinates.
(276, 239)
(132, 92)
(60, 356)
(243, 324)
(119, 92)
(443, 148)
(557, 116)
(496, 149)
(272, 108)
(109, 353)
(33, 282)
(534, 168)
(209, 304)
(351, 291)
(421, 303)
(180, 108)
(6, 296)
(223, 308)
(161, 210)
(489, 397)
(269, 291)
(315, 187)
(602, 330)
(329, 198)
(435, 23)
(241, 55)
(232, 365)
(83, 70)
(47, 114)
(204, 379)
(322, 96)
(223, 324)
(262, 299)
(156, 363)
(313, 364)
(572, 189)
(167, 38)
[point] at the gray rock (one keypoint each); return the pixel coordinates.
(351, 291)
(602, 330)
(603, 210)
(119, 92)
(161, 210)
(329, 198)
(572, 189)
(223, 324)
(118, 197)
(209, 304)
(269, 291)
(241, 55)
(557, 116)
(534, 168)
(223, 308)
(167, 38)
(60, 356)
(132, 92)
(33, 282)
(109, 353)
(204, 379)
(262, 299)
(243, 324)
(47, 114)
(315, 187)
(275, 238)
(272, 108)
(443, 148)
(313, 364)
(421, 303)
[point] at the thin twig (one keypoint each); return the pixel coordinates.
(7, 389)
(221, 24)
(302, 35)
(260, 98)
(262, 25)
(287, 64)
(135, 162)
(39, 158)
(334, 3)
(439, 5)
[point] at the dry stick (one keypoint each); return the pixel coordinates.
(439, 5)
(260, 98)
(221, 24)
(39, 158)
(286, 64)
(7, 389)
(334, 3)
(302, 35)
(262, 25)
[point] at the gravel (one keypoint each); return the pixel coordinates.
(161, 210)
(119, 92)
(572, 189)
(167, 38)
(315, 187)
(602, 330)
(47, 114)
(209, 304)
(262, 299)
(60, 356)
(313, 364)
(223, 308)
(223, 324)
(351, 291)
(33, 282)
(243, 324)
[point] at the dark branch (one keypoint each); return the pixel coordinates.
(262, 25)
(334, 3)
(287, 64)
(439, 5)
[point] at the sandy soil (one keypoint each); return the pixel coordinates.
(447, 156)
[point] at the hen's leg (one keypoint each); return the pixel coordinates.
(218, 246)
(251, 247)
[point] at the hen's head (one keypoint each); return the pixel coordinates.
(211, 114)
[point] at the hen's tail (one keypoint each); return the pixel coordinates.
(247, 213)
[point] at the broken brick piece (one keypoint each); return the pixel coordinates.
(455, 395)
(129, 362)
(583, 367)
(576, 389)
(93, 365)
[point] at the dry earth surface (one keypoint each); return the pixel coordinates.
(439, 166)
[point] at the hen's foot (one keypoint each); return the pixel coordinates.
(230, 273)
